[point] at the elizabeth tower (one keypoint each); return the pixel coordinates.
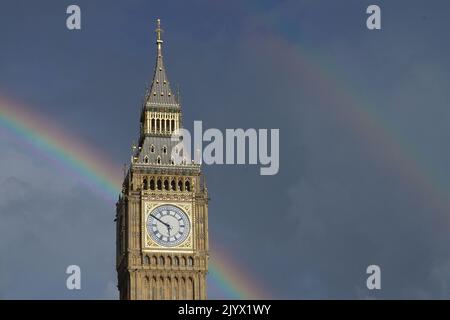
(162, 212)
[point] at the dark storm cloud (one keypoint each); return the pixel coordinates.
(48, 222)
(347, 207)
(350, 211)
(309, 232)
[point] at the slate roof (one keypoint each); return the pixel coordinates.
(160, 93)
(158, 144)
(152, 146)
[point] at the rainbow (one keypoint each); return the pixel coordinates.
(383, 141)
(238, 286)
(82, 162)
(95, 170)
(227, 278)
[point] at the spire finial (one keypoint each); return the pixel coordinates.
(159, 31)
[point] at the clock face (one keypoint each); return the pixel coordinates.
(168, 225)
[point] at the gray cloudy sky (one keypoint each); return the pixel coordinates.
(357, 109)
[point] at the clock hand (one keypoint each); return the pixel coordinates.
(166, 224)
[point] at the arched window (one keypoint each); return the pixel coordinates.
(154, 261)
(173, 125)
(190, 261)
(167, 124)
(147, 260)
(161, 288)
(169, 261)
(173, 185)
(166, 184)
(145, 184)
(153, 124)
(158, 160)
(183, 261)
(187, 186)
(172, 161)
(157, 125)
(182, 288)
(159, 185)
(153, 288)
(176, 261)
(152, 184)
(152, 148)
(145, 159)
(175, 289)
(161, 260)
(147, 294)
(163, 125)
(169, 288)
(189, 287)
(164, 149)
(180, 185)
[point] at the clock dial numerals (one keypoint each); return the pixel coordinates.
(168, 225)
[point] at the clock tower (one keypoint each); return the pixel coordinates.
(162, 212)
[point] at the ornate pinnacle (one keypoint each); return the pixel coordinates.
(159, 31)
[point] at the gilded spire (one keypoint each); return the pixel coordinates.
(160, 91)
(159, 32)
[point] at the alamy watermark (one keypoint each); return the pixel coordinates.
(374, 279)
(73, 281)
(73, 21)
(236, 146)
(373, 22)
